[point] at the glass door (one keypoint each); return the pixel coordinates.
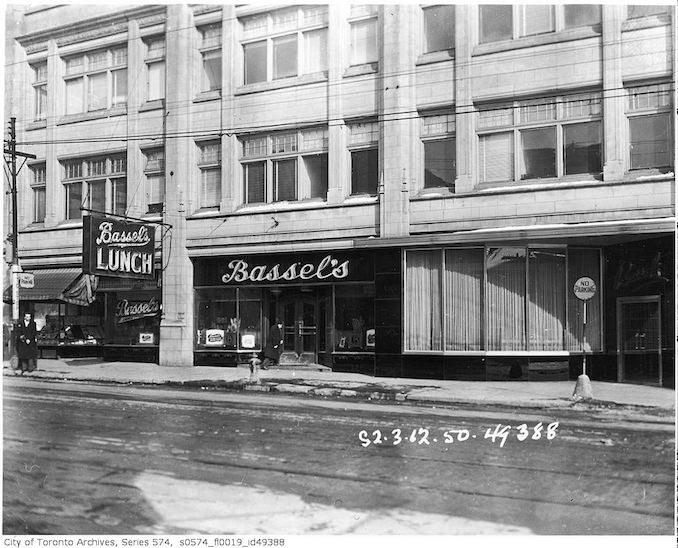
(639, 340)
(298, 311)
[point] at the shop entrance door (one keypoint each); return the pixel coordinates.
(298, 311)
(639, 349)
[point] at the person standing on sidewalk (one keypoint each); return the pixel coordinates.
(26, 345)
(274, 346)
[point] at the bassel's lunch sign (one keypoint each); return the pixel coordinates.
(117, 248)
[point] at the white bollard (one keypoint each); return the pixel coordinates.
(254, 370)
(583, 389)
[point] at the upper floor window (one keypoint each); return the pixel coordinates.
(155, 68)
(97, 183)
(210, 51)
(650, 130)
(284, 43)
(645, 10)
(40, 90)
(96, 80)
(38, 180)
(154, 171)
(364, 150)
(507, 22)
(209, 163)
(364, 37)
(438, 28)
(285, 166)
(437, 135)
(548, 137)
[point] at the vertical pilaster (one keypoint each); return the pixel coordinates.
(176, 326)
(399, 127)
(338, 184)
(54, 191)
(229, 154)
(136, 198)
(464, 115)
(614, 122)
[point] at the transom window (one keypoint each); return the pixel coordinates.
(438, 28)
(507, 22)
(155, 68)
(210, 51)
(284, 43)
(40, 90)
(437, 135)
(209, 163)
(285, 166)
(97, 183)
(96, 80)
(548, 137)
(650, 130)
(38, 181)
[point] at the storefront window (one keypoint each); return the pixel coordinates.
(423, 293)
(505, 303)
(133, 318)
(583, 262)
(354, 318)
(546, 306)
(228, 319)
(463, 299)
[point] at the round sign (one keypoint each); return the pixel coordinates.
(584, 288)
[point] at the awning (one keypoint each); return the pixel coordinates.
(69, 285)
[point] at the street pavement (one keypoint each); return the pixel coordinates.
(637, 402)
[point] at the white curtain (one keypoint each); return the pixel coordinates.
(463, 299)
(423, 305)
(546, 306)
(505, 300)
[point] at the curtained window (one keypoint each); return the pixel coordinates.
(424, 299)
(546, 305)
(583, 262)
(463, 299)
(505, 303)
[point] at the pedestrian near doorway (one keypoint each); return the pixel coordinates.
(274, 345)
(26, 345)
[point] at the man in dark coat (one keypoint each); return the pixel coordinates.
(26, 345)
(274, 346)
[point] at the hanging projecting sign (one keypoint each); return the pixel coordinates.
(584, 288)
(117, 248)
(26, 280)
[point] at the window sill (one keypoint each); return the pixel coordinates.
(358, 70)
(435, 57)
(435, 192)
(94, 115)
(208, 96)
(647, 22)
(649, 173)
(152, 105)
(305, 79)
(36, 124)
(539, 40)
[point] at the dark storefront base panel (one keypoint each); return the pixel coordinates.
(149, 354)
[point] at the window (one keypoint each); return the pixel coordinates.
(285, 166)
(155, 69)
(643, 10)
(364, 149)
(507, 22)
(548, 138)
(284, 43)
(39, 178)
(354, 318)
(650, 130)
(364, 41)
(501, 299)
(154, 171)
(210, 174)
(439, 150)
(96, 80)
(40, 91)
(97, 183)
(438, 28)
(210, 50)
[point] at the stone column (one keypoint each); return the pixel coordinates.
(614, 119)
(463, 98)
(176, 326)
(229, 149)
(54, 191)
(136, 201)
(400, 125)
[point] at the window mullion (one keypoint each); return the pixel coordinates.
(518, 15)
(560, 150)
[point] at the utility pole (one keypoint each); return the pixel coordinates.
(13, 153)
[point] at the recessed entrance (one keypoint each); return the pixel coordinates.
(639, 340)
(297, 308)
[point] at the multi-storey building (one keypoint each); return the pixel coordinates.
(413, 190)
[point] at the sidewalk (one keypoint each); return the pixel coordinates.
(646, 403)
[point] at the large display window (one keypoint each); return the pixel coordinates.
(500, 299)
(354, 318)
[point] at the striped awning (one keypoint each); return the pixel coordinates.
(57, 284)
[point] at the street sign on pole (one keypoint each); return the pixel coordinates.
(26, 280)
(584, 289)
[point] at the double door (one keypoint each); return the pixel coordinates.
(639, 340)
(298, 311)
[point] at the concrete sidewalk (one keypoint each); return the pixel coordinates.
(652, 402)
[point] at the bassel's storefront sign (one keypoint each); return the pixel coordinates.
(127, 311)
(289, 269)
(118, 248)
